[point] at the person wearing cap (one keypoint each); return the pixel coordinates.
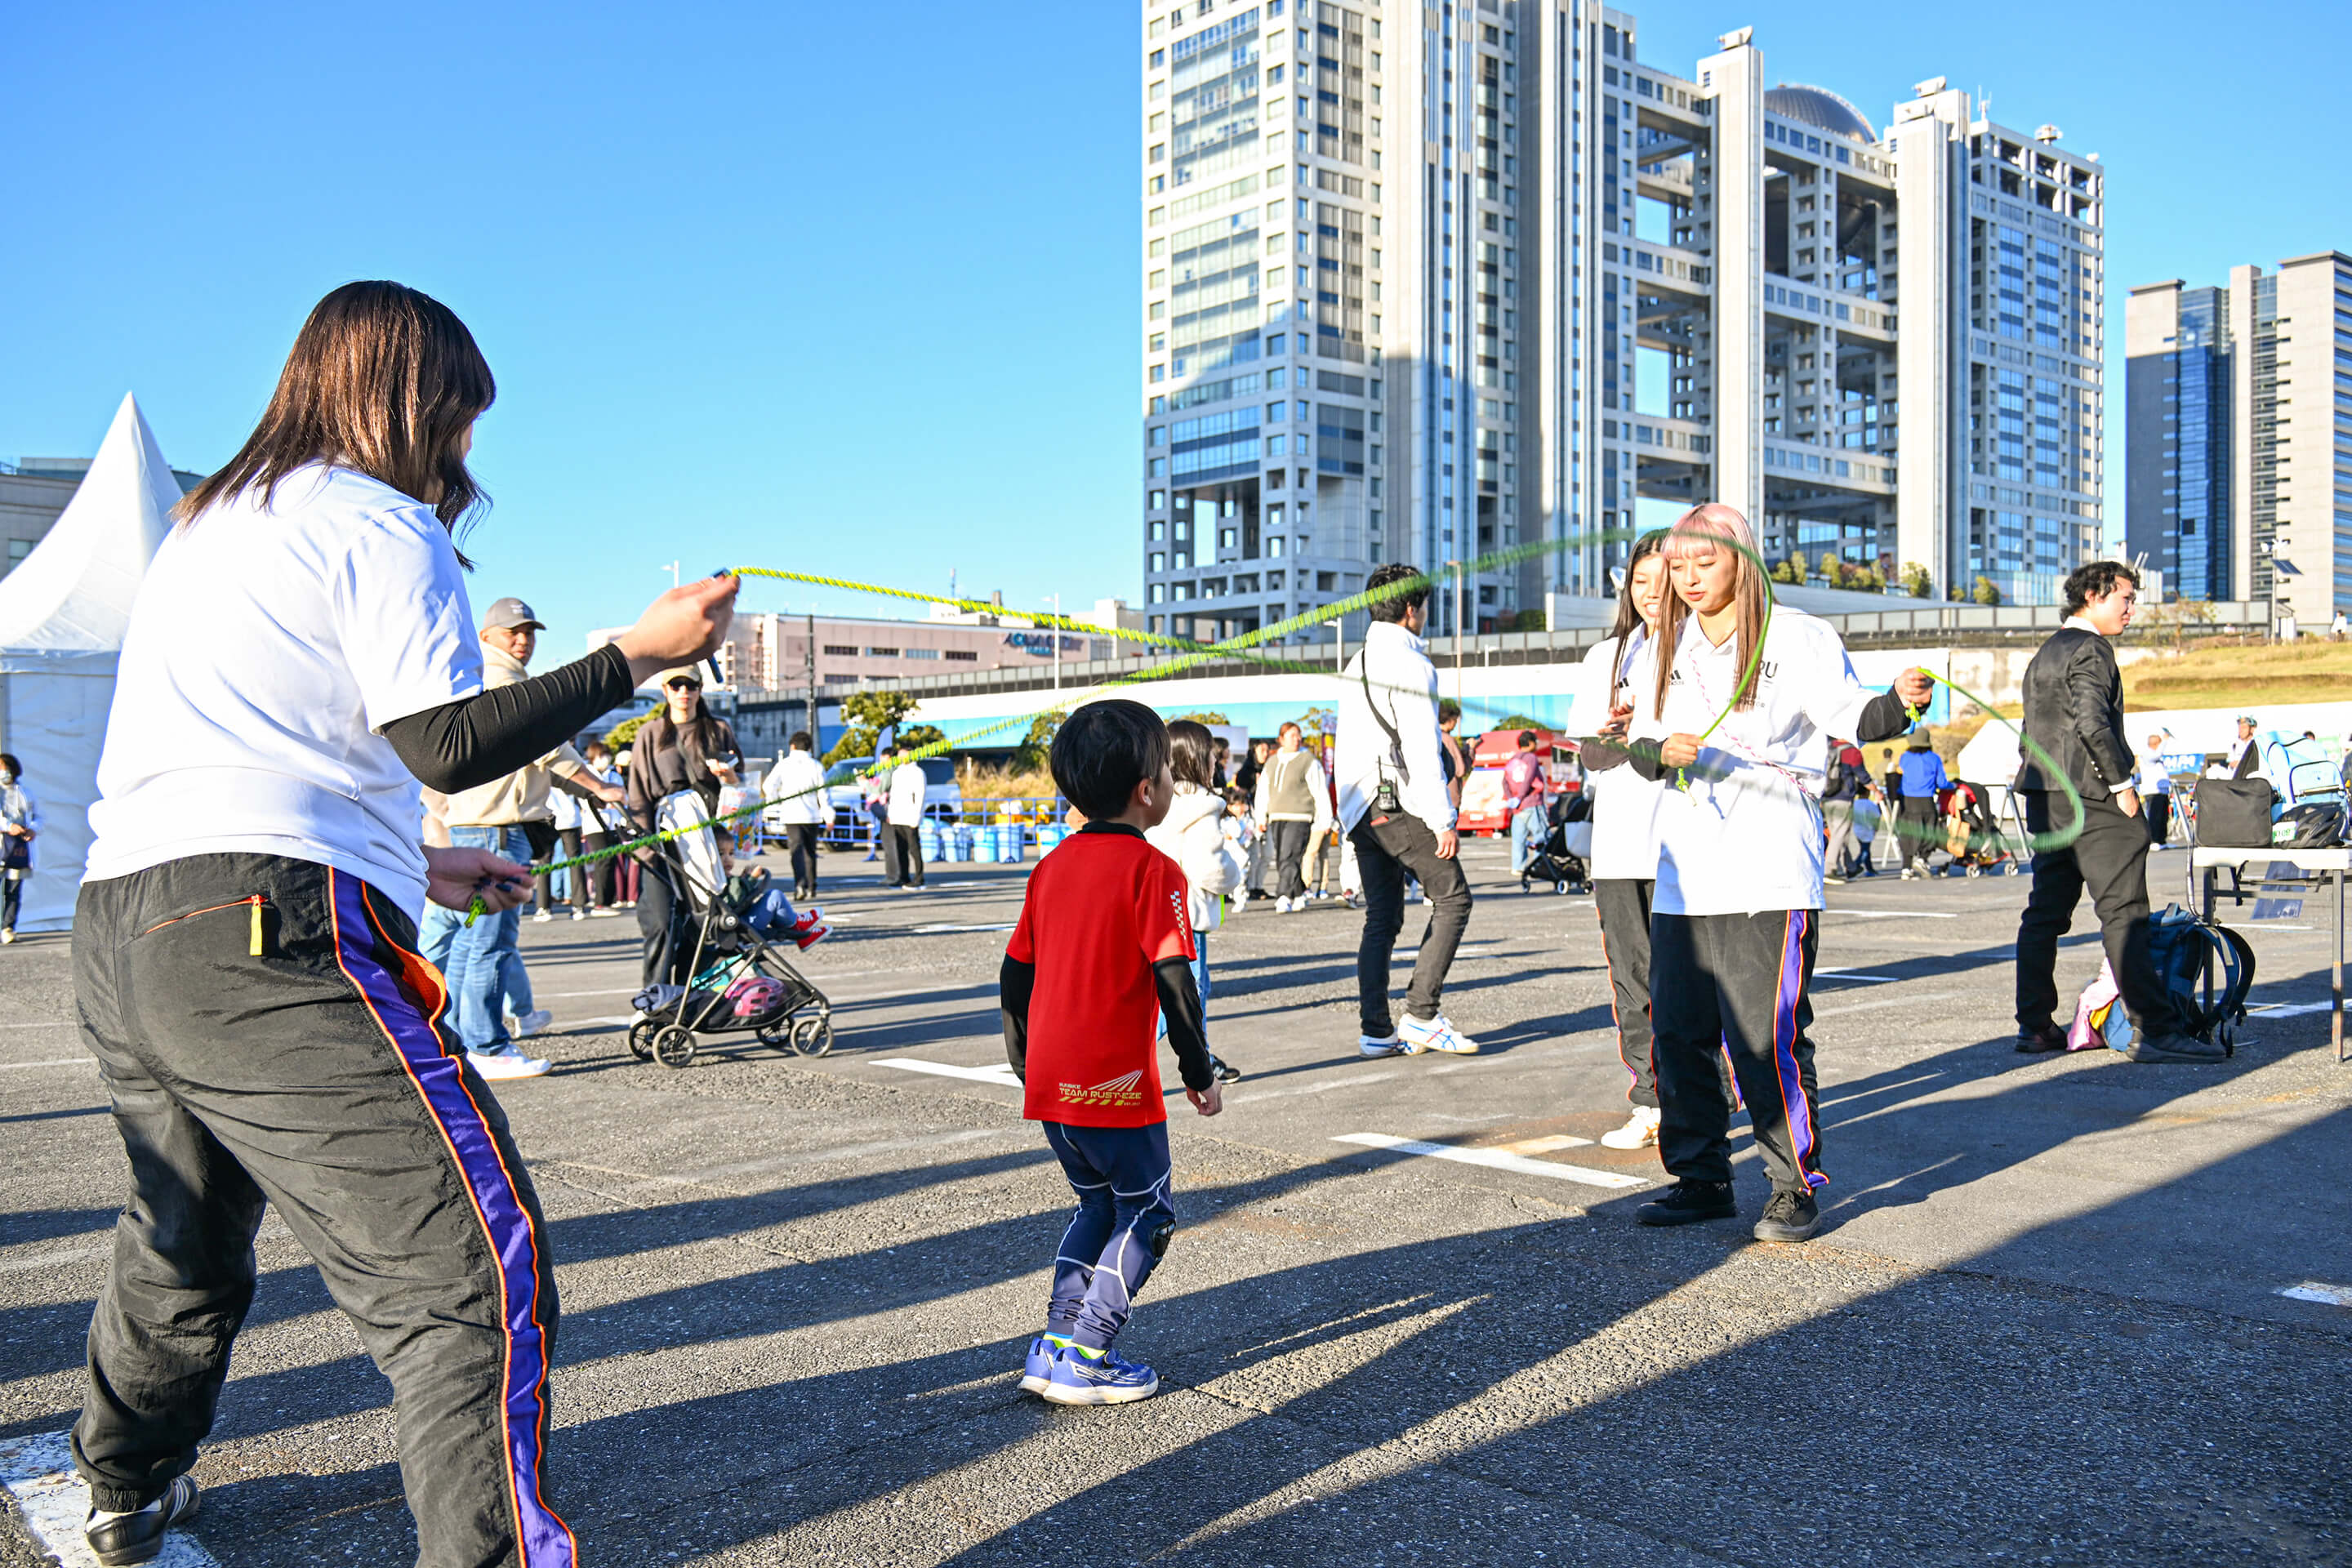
(486, 973)
(683, 749)
(2245, 758)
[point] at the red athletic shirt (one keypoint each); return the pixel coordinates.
(1102, 908)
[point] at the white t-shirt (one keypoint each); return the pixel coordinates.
(1624, 803)
(908, 787)
(267, 651)
(1746, 835)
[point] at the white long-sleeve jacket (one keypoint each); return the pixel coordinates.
(1390, 685)
(796, 786)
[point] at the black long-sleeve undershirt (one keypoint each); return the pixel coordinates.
(1883, 716)
(1179, 1004)
(495, 733)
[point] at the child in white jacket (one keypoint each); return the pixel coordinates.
(1193, 835)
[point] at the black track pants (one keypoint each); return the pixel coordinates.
(312, 1075)
(1918, 825)
(1736, 984)
(1623, 906)
(902, 856)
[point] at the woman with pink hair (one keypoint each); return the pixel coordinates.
(1735, 698)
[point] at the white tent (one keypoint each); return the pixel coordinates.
(63, 612)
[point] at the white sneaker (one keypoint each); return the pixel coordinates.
(535, 1022)
(601, 911)
(1387, 1045)
(1281, 905)
(507, 1064)
(1640, 1131)
(1434, 1035)
(541, 918)
(7, 935)
(579, 914)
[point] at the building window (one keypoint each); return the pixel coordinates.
(966, 655)
(1160, 372)
(838, 651)
(1159, 561)
(922, 652)
(881, 652)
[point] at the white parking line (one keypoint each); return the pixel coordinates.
(38, 1471)
(2289, 1009)
(2312, 1290)
(1894, 914)
(999, 1074)
(949, 931)
(1494, 1160)
(50, 1062)
(1855, 975)
(55, 1259)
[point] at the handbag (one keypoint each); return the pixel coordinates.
(15, 853)
(2233, 813)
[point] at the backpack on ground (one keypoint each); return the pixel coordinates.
(2181, 946)
(2184, 948)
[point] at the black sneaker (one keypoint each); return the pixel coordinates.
(126, 1538)
(1689, 1202)
(1789, 1217)
(2037, 1042)
(1223, 1071)
(2174, 1048)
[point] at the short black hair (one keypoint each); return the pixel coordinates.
(2095, 581)
(1448, 709)
(1104, 749)
(800, 741)
(1392, 607)
(1527, 737)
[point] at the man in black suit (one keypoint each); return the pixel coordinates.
(2074, 715)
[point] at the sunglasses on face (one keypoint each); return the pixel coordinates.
(684, 685)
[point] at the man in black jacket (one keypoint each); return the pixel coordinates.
(2073, 717)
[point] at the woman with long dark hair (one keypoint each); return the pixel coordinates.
(1623, 793)
(684, 748)
(1739, 695)
(301, 656)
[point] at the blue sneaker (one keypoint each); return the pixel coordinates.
(1080, 1376)
(1040, 1362)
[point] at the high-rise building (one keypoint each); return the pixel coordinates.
(2238, 435)
(1434, 283)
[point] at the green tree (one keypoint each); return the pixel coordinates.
(866, 713)
(1528, 621)
(1986, 592)
(1832, 569)
(1035, 752)
(1209, 718)
(1787, 571)
(619, 736)
(1915, 581)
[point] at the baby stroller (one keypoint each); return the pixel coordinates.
(1972, 835)
(739, 982)
(1566, 845)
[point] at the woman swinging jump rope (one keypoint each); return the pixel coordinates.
(1735, 916)
(302, 655)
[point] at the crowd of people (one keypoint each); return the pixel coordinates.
(303, 675)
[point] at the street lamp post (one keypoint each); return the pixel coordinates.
(1455, 567)
(1056, 600)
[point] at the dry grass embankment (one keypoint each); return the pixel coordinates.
(2243, 674)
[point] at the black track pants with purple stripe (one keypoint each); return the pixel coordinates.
(310, 1074)
(1734, 984)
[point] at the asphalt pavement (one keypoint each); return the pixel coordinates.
(1406, 1318)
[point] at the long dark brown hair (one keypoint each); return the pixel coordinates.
(1629, 619)
(1751, 595)
(381, 380)
(1192, 752)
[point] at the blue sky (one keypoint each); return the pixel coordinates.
(851, 289)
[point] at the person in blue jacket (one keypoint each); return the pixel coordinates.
(1923, 777)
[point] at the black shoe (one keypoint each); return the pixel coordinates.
(2037, 1041)
(2174, 1048)
(1789, 1217)
(1223, 1071)
(1689, 1202)
(139, 1537)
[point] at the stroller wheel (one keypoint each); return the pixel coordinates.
(674, 1045)
(812, 1036)
(778, 1037)
(641, 1040)
(1975, 870)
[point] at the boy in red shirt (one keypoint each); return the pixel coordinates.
(1104, 948)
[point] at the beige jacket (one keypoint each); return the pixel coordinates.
(522, 796)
